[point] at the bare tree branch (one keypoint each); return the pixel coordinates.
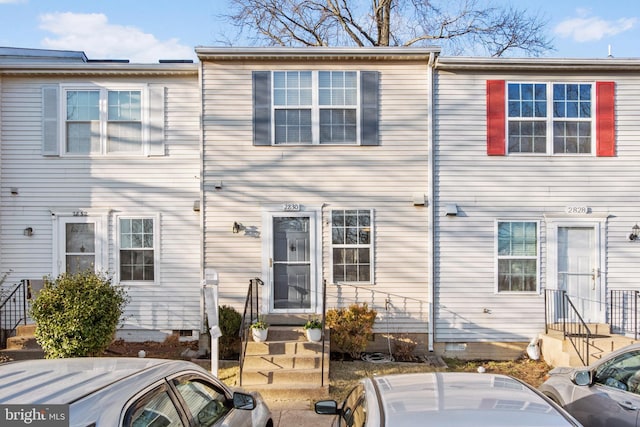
(459, 26)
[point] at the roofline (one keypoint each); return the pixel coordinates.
(97, 68)
(537, 64)
(43, 54)
(315, 53)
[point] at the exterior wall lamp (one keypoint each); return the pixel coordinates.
(237, 227)
(28, 232)
(635, 232)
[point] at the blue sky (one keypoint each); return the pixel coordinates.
(148, 30)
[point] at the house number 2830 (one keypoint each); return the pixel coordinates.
(80, 213)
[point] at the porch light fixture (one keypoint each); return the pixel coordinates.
(635, 232)
(237, 227)
(28, 232)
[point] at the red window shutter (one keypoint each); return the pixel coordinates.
(496, 145)
(605, 119)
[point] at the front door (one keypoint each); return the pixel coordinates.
(292, 264)
(578, 271)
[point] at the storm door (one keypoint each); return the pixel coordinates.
(292, 262)
(578, 271)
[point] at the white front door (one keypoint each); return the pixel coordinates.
(292, 284)
(79, 247)
(578, 269)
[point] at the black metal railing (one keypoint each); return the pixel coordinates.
(324, 338)
(623, 312)
(250, 314)
(13, 310)
(561, 315)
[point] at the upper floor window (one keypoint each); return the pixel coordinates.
(517, 256)
(92, 120)
(551, 118)
(555, 118)
(315, 107)
(103, 121)
(328, 98)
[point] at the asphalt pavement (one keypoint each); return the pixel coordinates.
(297, 413)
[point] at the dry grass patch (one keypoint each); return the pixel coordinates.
(344, 375)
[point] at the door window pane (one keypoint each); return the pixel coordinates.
(79, 247)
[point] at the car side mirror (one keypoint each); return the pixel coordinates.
(326, 407)
(582, 378)
(243, 401)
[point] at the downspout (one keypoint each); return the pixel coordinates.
(431, 203)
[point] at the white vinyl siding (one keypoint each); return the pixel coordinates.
(336, 176)
(51, 185)
(519, 188)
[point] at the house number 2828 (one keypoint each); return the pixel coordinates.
(80, 213)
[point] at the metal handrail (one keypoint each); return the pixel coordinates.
(324, 316)
(13, 311)
(249, 315)
(624, 311)
(561, 315)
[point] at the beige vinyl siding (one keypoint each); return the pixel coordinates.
(166, 186)
(517, 187)
(382, 178)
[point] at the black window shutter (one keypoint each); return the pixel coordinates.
(370, 107)
(261, 108)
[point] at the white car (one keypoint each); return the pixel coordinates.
(127, 392)
(607, 393)
(451, 399)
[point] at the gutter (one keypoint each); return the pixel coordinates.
(432, 209)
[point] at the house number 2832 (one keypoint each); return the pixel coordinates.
(80, 213)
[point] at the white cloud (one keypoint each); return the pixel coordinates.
(587, 28)
(99, 39)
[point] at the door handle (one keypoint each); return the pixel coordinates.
(628, 405)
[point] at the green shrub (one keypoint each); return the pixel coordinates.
(351, 328)
(229, 321)
(77, 314)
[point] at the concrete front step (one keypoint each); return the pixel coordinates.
(287, 366)
(252, 377)
(29, 354)
(290, 348)
(285, 362)
(559, 351)
(276, 392)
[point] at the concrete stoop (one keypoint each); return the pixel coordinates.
(23, 346)
(287, 366)
(558, 351)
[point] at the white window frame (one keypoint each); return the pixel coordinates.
(315, 108)
(104, 89)
(60, 219)
(370, 246)
(498, 257)
(550, 119)
(156, 248)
